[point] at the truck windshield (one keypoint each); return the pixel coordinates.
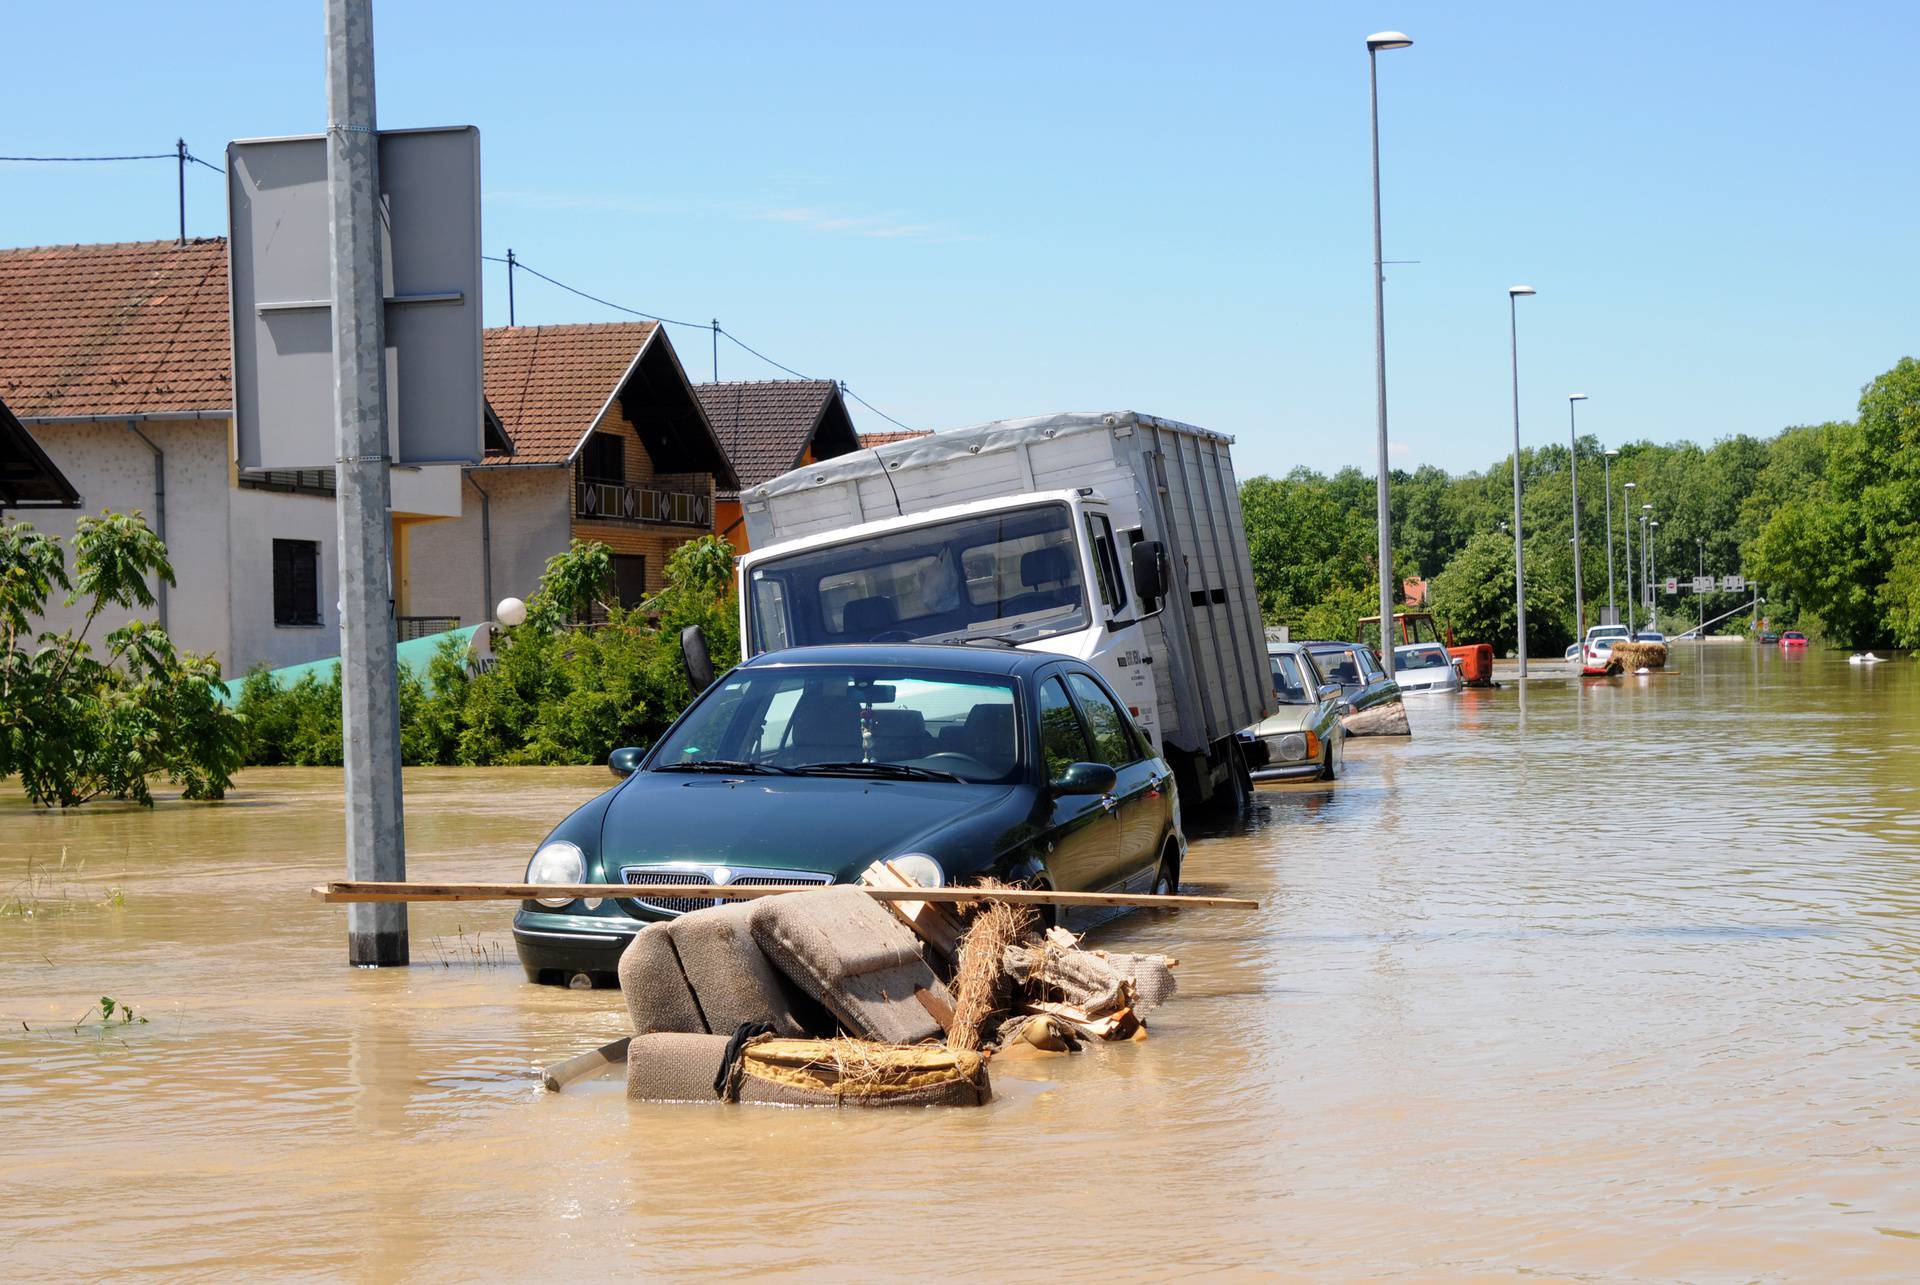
(1013, 575)
(847, 720)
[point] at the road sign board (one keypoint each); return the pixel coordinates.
(1733, 584)
(281, 298)
(1673, 586)
(1703, 584)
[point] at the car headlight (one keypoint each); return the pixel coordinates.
(557, 862)
(920, 868)
(1292, 747)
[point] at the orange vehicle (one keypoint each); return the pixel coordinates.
(1475, 660)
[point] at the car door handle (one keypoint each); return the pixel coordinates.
(1108, 802)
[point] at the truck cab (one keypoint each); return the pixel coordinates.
(1046, 571)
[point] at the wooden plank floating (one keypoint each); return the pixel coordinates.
(375, 890)
(592, 1062)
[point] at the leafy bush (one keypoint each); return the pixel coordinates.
(555, 694)
(75, 726)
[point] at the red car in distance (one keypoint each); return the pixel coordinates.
(1793, 640)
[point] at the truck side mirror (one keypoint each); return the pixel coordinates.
(1150, 574)
(694, 658)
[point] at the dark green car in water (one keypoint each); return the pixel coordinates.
(808, 765)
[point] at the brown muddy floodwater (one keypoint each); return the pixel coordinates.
(1621, 983)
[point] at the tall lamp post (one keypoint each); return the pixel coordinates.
(1646, 565)
(1519, 557)
(1573, 464)
(1626, 534)
(1613, 610)
(1653, 572)
(1375, 43)
(1700, 630)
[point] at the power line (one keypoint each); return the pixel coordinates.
(517, 263)
(217, 169)
(144, 156)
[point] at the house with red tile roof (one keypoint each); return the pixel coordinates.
(768, 427)
(117, 358)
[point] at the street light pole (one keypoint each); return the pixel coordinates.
(1573, 464)
(1375, 43)
(1613, 608)
(1626, 534)
(1701, 631)
(1519, 556)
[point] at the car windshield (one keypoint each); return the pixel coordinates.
(1421, 657)
(1292, 686)
(1013, 575)
(856, 720)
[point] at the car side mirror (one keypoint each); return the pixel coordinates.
(1086, 778)
(694, 658)
(1329, 691)
(1149, 574)
(626, 761)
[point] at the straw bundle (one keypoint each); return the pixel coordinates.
(979, 982)
(1639, 655)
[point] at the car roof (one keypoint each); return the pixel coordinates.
(958, 657)
(1285, 648)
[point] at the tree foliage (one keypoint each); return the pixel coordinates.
(77, 725)
(1826, 518)
(555, 693)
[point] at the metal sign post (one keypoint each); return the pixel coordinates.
(376, 847)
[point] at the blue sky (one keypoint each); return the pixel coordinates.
(975, 211)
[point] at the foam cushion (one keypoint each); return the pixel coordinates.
(847, 951)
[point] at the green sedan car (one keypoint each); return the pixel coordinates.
(1305, 739)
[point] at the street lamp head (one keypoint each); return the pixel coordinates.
(1647, 507)
(1614, 453)
(1520, 290)
(1629, 485)
(1388, 40)
(1577, 397)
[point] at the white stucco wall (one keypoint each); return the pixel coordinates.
(529, 511)
(112, 469)
(257, 519)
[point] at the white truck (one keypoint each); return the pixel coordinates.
(1112, 537)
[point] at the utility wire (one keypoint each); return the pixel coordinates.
(144, 156)
(217, 169)
(521, 265)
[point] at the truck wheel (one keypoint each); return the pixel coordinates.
(1236, 794)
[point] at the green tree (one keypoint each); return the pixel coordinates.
(76, 726)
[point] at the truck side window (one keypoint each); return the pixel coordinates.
(1106, 561)
(770, 614)
(1113, 742)
(1062, 743)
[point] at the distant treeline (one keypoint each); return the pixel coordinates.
(1826, 518)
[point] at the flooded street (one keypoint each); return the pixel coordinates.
(1617, 983)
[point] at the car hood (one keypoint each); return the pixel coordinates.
(833, 825)
(1291, 718)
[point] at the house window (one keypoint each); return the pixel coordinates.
(605, 458)
(296, 582)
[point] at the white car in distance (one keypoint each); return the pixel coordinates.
(1425, 667)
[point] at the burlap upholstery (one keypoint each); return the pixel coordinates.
(847, 951)
(670, 1066)
(732, 980)
(674, 1067)
(658, 996)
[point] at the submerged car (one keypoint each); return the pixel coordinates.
(1425, 667)
(808, 765)
(1594, 634)
(1793, 640)
(1370, 703)
(1305, 739)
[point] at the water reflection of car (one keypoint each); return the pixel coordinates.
(808, 765)
(1305, 739)
(1425, 667)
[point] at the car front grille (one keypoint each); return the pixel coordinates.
(704, 876)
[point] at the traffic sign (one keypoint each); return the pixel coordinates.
(1703, 584)
(282, 298)
(1673, 586)
(1733, 584)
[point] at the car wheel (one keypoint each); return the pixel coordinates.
(1326, 763)
(1166, 880)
